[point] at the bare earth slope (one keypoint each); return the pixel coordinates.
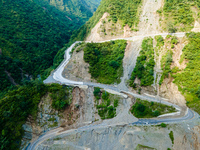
(149, 19)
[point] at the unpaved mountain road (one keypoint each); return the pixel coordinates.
(58, 78)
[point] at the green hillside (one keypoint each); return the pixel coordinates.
(188, 80)
(31, 34)
(79, 8)
(179, 15)
(124, 10)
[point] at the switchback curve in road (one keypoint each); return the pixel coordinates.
(57, 77)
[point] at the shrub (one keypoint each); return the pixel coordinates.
(60, 95)
(171, 136)
(116, 101)
(97, 92)
(156, 113)
(163, 125)
(171, 28)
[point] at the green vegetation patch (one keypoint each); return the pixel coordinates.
(61, 96)
(163, 125)
(165, 65)
(82, 9)
(107, 106)
(171, 136)
(18, 104)
(178, 15)
(188, 80)
(105, 60)
(146, 109)
(144, 69)
(160, 41)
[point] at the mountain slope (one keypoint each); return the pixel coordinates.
(80, 8)
(122, 12)
(31, 33)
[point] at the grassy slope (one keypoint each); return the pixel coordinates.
(124, 10)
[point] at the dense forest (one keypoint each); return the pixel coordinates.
(80, 8)
(31, 34)
(146, 109)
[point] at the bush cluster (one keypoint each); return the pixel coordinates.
(145, 109)
(105, 60)
(107, 108)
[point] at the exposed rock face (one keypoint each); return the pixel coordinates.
(77, 69)
(129, 61)
(47, 118)
(82, 109)
(170, 91)
(149, 19)
(95, 35)
(80, 112)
